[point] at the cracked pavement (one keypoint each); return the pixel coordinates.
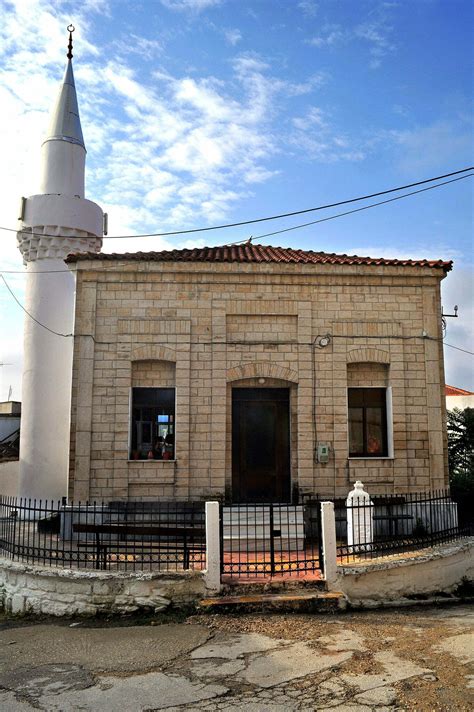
(418, 659)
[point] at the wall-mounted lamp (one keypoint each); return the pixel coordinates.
(322, 341)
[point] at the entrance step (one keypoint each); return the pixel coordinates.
(305, 601)
(241, 587)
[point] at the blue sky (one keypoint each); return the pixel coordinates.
(204, 111)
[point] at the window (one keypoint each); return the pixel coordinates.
(153, 424)
(367, 422)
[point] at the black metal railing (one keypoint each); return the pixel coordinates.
(385, 525)
(112, 536)
(267, 540)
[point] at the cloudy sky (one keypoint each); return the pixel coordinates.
(203, 111)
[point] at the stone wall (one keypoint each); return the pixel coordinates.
(228, 325)
(409, 576)
(64, 592)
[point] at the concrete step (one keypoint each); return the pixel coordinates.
(304, 601)
(242, 587)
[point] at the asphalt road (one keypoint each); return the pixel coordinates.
(414, 659)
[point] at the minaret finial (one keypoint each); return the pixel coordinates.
(70, 29)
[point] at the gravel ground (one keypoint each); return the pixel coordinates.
(417, 659)
(412, 634)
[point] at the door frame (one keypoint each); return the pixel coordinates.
(280, 394)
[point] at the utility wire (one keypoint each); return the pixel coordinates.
(455, 347)
(356, 210)
(273, 217)
(302, 225)
(56, 333)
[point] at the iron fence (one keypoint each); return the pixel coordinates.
(385, 525)
(267, 540)
(257, 541)
(112, 536)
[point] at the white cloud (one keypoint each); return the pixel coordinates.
(309, 7)
(444, 142)
(193, 5)
(141, 46)
(458, 288)
(233, 36)
(330, 35)
(321, 141)
(375, 33)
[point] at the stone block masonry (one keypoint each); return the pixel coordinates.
(207, 329)
(64, 592)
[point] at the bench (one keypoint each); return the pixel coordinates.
(190, 539)
(392, 520)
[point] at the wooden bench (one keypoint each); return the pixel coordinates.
(190, 539)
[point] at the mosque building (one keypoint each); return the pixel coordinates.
(244, 372)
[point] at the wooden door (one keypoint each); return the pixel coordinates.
(260, 445)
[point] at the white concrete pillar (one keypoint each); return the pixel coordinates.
(212, 574)
(47, 377)
(360, 518)
(54, 223)
(328, 530)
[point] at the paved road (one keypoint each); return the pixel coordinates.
(414, 659)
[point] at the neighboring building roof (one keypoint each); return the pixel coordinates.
(257, 253)
(10, 408)
(453, 391)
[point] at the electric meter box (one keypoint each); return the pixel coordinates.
(323, 453)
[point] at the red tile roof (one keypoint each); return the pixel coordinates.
(453, 391)
(247, 253)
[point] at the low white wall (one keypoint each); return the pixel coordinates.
(437, 570)
(64, 592)
(460, 402)
(9, 474)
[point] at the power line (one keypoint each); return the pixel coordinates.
(56, 333)
(457, 348)
(272, 217)
(356, 210)
(302, 225)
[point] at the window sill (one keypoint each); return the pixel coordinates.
(370, 458)
(151, 462)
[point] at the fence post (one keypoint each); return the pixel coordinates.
(328, 531)
(212, 574)
(360, 519)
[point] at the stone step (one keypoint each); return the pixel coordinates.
(242, 587)
(305, 601)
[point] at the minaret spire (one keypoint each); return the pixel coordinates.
(64, 151)
(54, 223)
(70, 29)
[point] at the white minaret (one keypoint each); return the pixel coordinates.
(54, 223)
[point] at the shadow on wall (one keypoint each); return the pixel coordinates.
(9, 475)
